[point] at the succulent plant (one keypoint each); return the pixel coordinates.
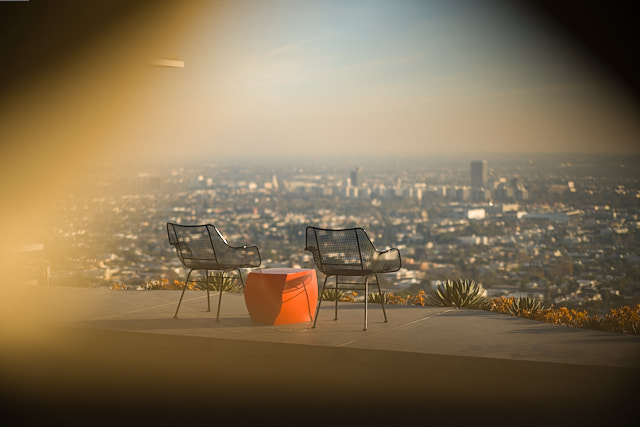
(332, 294)
(525, 304)
(218, 279)
(459, 293)
(378, 298)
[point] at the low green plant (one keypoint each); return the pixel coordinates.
(459, 293)
(219, 279)
(379, 298)
(333, 294)
(623, 319)
(525, 305)
(595, 322)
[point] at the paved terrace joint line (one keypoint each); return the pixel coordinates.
(146, 308)
(369, 335)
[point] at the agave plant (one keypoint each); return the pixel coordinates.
(379, 298)
(332, 295)
(217, 280)
(459, 293)
(525, 305)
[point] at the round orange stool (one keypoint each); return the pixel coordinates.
(278, 296)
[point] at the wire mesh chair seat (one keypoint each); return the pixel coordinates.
(349, 252)
(202, 247)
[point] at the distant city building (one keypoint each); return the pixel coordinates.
(355, 175)
(417, 194)
(365, 193)
(553, 216)
(504, 193)
(522, 194)
(561, 189)
(515, 183)
(480, 195)
(478, 173)
(461, 194)
(478, 213)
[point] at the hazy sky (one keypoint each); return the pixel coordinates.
(280, 78)
(379, 77)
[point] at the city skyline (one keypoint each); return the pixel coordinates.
(560, 230)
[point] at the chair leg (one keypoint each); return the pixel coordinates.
(381, 299)
(206, 285)
(315, 318)
(336, 316)
(175, 316)
(220, 299)
(241, 280)
(366, 297)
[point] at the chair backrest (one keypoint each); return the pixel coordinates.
(204, 247)
(196, 244)
(345, 251)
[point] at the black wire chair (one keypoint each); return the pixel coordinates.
(349, 252)
(202, 247)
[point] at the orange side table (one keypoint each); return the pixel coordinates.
(278, 296)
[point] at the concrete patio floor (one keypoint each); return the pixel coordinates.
(94, 349)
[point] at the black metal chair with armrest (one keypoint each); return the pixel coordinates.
(202, 247)
(349, 252)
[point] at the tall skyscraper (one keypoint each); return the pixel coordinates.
(478, 173)
(354, 177)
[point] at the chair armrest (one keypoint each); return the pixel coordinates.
(257, 251)
(249, 251)
(389, 260)
(316, 255)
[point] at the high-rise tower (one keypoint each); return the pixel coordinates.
(478, 173)
(354, 177)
